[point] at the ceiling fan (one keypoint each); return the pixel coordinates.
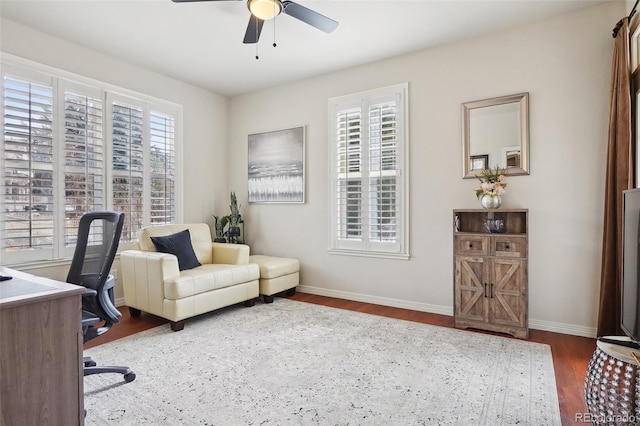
(263, 10)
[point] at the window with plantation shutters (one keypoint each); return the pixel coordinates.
(72, 145)
(83, 159)
(368, 148)
(349, 175)
(127, 181)
(383, 170)
(28, 164)
(162, 166)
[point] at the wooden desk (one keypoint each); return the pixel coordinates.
(41, 379)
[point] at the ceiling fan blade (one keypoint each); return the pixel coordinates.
(308, 16)
(253, 30)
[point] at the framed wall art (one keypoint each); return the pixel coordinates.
(276, 166)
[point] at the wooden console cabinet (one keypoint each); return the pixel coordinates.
(490, 290)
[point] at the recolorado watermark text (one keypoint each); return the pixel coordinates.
(606, 419)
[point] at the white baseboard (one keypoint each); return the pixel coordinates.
(555, 327)
(384, 301)
(396, 303)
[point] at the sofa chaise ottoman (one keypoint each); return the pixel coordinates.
(179, 286)
(277, 274)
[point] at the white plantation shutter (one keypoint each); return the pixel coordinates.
(127, 181)
(28, 164)
(83, 159)
(73, 145)
(368, 202)
(383, 173)
(162, 169)
(349, 175)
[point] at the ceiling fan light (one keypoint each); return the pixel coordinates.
(265, 9)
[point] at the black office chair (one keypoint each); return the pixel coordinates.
(98, 239)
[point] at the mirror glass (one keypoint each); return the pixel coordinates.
(496, 133)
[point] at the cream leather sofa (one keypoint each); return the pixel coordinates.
(153, 282)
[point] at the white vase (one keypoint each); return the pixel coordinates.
(490, 201)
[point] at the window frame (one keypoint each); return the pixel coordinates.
(362, 100)
(63, 82)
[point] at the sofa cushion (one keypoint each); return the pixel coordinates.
(274, 267)
(209, 277)
(200, 238)
(178, 244)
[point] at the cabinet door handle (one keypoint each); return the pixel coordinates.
(491, 286)
(507, 246)
(470, 245)
(485, 289)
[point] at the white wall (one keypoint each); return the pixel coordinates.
(563, 62)
(204, 116)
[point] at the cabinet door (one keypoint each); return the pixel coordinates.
(470, 288)
(508, 292)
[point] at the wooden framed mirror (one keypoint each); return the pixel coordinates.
(496, 133)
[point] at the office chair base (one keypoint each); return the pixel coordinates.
(129, 376)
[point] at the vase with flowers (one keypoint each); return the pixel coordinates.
(492, 186)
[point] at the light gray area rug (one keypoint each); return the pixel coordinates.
(295, 363)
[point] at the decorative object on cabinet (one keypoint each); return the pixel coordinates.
(498, 128)
(276, 166)
(492, 186)
(491, 271)
(490, 201)
(494, 226)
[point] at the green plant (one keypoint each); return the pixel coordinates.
(227, 227)
(219, 225)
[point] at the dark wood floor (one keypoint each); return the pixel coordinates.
(571, 354)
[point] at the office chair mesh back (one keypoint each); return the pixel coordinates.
(98, 239)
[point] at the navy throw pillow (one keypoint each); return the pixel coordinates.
(178, 244)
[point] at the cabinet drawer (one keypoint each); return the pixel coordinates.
(509, 246)
(471, 245)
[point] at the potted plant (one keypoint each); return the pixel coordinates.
(227, 228)
(219, 225)
(235, 219)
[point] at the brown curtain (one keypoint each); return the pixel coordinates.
(619, 177)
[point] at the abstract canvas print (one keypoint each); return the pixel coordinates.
(276, 166)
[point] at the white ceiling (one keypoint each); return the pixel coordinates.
(201, 42)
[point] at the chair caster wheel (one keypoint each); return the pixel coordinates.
(129, 377)
(90, 363)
